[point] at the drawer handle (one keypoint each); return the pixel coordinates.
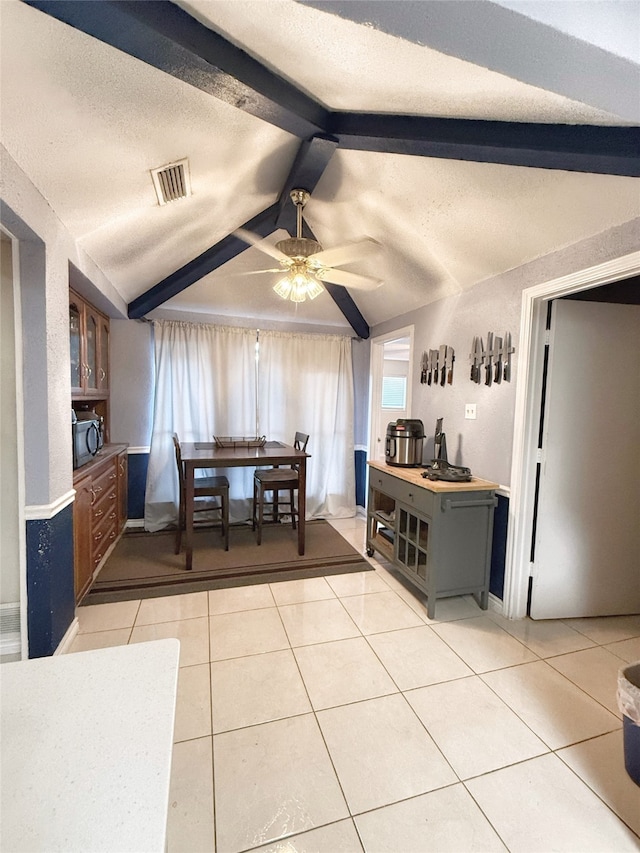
(449, 504)
(98, 537)
(98, 513)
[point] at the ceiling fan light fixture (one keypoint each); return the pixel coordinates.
(298, 285)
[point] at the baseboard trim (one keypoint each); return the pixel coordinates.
(65, 643)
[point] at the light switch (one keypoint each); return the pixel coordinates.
(470, 411)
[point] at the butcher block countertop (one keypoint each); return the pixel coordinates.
(414, 476)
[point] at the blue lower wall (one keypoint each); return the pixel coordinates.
(361, 477)
(499, 550)
(137, 483)
(50, 582)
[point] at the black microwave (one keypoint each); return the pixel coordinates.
(87, 440)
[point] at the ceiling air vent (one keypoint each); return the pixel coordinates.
(172, 182)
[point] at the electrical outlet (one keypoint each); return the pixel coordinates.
(470, 411)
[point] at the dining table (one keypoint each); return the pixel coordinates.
(205, 454)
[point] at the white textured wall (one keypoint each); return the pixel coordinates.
(132, 382)
(45, 251)
(485, 444)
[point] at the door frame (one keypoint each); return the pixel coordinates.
(19, 439)
(376, 372)
(527, 416)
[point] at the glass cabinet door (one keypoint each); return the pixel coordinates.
(91, 337)
(103, 361)
(76, 353)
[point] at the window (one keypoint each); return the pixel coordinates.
(394, 392)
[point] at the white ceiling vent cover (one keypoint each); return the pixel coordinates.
(172, 181)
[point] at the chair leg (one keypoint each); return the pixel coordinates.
(276, 495)
(225, 520)
(292, 508)
(260, 513)
(181, 521)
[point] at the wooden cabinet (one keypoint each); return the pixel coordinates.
(438, 535)
(99, 513)
(89, 344)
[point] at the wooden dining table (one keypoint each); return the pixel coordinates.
(200, 454)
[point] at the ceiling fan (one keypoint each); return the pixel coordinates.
(306, 264)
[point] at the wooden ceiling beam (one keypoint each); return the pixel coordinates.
(168, 38)
(225, 250)
(572, 148)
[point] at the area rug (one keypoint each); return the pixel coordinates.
(143, 565)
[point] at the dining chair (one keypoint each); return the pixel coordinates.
(210, 494)
(275, 480)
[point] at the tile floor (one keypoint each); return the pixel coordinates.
(332, 715)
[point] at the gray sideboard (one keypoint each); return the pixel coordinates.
(437, 534)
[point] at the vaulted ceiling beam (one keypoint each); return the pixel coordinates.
(164, 36)
(573, 148)
(263, 224)
(308, 167)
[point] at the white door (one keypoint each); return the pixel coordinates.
(587, 541)
(391, 365)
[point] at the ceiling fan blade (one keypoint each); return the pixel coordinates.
(261, 244)
(261, 272)
(347, 253)
(349, 279)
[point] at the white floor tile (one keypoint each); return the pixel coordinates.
(256, 689)
(627, 650)
(482, 645)
(192, 633)
(540, 805)
(382, 753)
(452, 609)
(339, 837)
(546, 638)
(317, 622)
(341, 672)
(380, 611)
(100, 640)
(107, 617)
(475, 730)
(607, 629)
(248, 632)
(171, 608)
(190, 824)
(595, 671)
(305, 589)
(357, 583)
(600, 763)
(193, 703)
(272, 781)
(552, 706)
(446, 821)
(416, 657)
(250, 597)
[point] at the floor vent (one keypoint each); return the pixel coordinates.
(172, 182)
(9, 629)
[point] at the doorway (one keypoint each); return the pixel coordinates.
(527, 417)
(390, 382)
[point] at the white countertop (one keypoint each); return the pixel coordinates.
(85, 751)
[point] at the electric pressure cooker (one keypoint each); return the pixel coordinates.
(404, 443)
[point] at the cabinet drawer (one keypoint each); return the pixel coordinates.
(101, 539)
(104, 505)
(419, 499)
(412, 495)
(104, 482)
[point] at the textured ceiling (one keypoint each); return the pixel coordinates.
(87, 122)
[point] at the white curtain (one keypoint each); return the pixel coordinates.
(204, 386)
(207, 384)
(306, 385)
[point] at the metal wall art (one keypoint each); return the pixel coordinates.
(492, 364)
(437, 366)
